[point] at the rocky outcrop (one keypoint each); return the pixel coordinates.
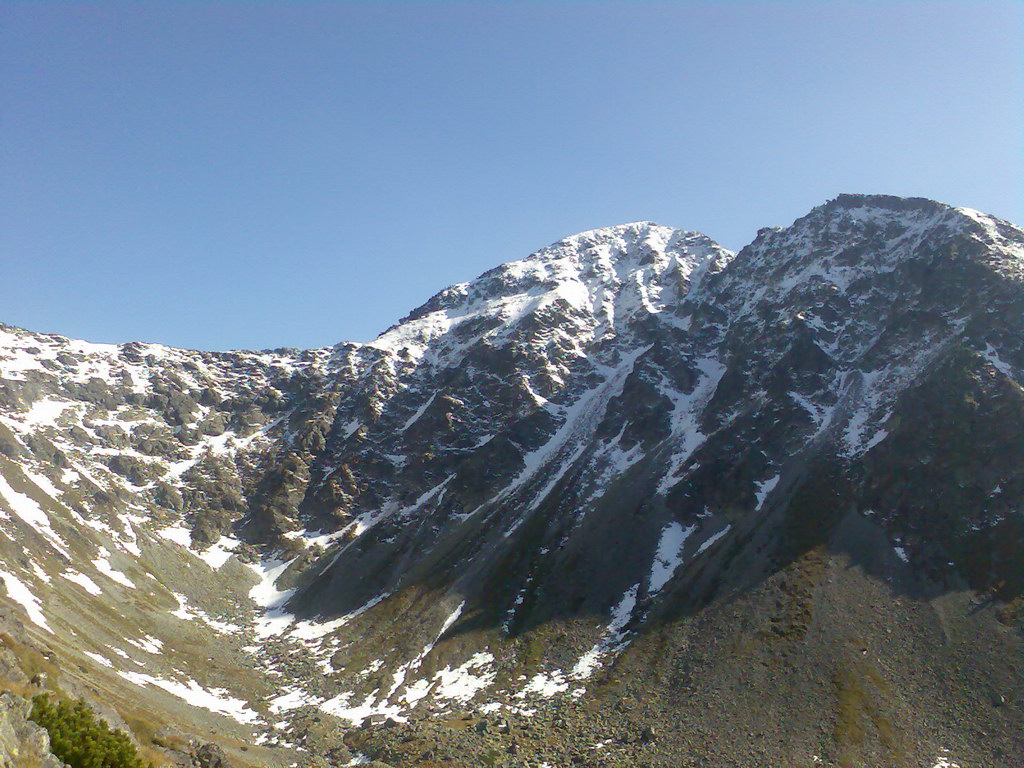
(23, 744)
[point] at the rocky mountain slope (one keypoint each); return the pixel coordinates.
(633, 500)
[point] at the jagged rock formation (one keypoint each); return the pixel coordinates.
(627, 492)
(23, 744)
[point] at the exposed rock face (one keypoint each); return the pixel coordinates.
(210, 756)
(23, 744)
(633, 489)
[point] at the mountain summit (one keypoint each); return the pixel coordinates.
(632, 500)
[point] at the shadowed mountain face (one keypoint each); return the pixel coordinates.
(641, 500)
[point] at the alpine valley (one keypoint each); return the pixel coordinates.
(634, 500)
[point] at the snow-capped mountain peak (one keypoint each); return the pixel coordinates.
(598, 280)
(631, 461)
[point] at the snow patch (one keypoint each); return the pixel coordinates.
(763, 489)
(292, 700)
(943, 761)
(341, 706)
(187, 612)
(545, 684)
(419, 412)
(314, 630)
(686, 411)
(148, 643)
(83, 581)
(712, 539)
(45, 412)
(461, 684)
(669, 555)
(102, 564)
(179, 534)
(998, 363)
(265, 594)
(219, 552)
(28, 509)
(101, 660)
(214, 699)
(612, 639)
(22, 595)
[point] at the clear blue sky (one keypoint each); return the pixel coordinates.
(242, 174)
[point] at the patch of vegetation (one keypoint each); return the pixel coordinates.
(81, 739)
(1012, 613)
(152, 737)
(851, 701)
(857, 691)
(491, 758)
(794, 608)
(32, 663)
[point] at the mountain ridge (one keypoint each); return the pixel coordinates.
(541, 476)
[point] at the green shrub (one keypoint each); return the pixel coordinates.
(81, 739)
